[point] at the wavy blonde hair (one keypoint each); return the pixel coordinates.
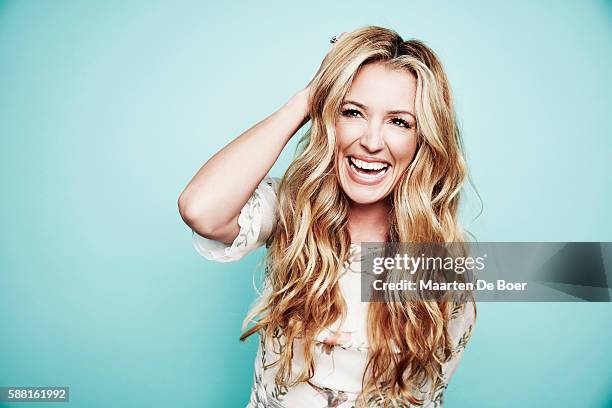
(311, 239)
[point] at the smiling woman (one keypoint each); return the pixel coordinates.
(376, 132)
(381, 162)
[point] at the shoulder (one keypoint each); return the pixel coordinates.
(460, 328)
(271, 183)
(463, 319)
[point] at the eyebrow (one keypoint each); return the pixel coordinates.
(393, 112)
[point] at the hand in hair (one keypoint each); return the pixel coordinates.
(211, 202)
(339, 38)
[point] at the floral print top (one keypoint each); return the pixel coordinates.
(340, 352)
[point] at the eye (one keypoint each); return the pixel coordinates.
(350, 113)
(353, 113)
(402, 123)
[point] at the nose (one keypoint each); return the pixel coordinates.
(372, 139)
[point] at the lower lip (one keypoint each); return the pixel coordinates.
(363, 179)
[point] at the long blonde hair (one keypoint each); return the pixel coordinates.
(311, 239)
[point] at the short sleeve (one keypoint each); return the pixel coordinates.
(256, 221)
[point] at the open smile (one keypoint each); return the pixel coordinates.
(367, 172)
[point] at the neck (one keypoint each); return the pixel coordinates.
(369, 222)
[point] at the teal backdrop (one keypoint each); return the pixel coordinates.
(107, 109)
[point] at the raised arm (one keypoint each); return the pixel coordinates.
(211, 202)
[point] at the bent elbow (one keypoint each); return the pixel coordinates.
(185, 209)
(193, 215)
(188, 211)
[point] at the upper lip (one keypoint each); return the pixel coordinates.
(370, 159)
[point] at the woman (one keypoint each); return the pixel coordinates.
(382, 162)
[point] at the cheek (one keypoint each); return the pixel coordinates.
(347, 132)
(402, 147)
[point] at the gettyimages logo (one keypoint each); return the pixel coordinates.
(489, 271)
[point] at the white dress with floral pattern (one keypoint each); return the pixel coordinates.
(340, 352)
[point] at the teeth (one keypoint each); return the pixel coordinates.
(368, 165)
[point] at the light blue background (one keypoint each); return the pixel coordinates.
(107, 109)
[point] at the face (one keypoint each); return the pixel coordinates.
(376, 136)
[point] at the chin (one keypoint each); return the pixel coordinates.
(363, 196)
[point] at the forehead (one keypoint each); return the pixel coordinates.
(380, 87)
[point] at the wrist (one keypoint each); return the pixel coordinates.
(299, 104)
